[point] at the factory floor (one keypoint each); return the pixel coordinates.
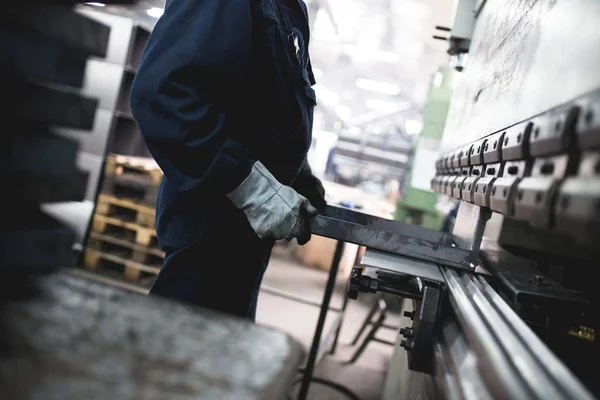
(366, 377)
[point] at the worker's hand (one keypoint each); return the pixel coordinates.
(310, 187)
(275, 211)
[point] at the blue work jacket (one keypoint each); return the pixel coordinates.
(222, 83)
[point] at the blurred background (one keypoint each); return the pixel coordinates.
(376, 64)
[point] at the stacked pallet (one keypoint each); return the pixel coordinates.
(122, 242)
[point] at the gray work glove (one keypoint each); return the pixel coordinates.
(310, 187)
(275, 211)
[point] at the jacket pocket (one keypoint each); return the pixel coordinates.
(282, 62)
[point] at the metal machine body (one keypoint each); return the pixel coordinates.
(522, 154)
(461, 331)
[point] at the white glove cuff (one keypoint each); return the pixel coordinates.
(256, 189)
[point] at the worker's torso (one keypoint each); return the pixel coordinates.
(281, 86)
(274, 113)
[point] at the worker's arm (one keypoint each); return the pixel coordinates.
(194, 65)
(189, 81)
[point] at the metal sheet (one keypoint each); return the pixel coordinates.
(121, 30)
(93, 142)
(51, 106)
(388, 225)
(402, 265)
(391, 236)
(41, 59)
(469, 227)
(199, 354)
(63, 24)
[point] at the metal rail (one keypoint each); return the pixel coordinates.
(513, 363)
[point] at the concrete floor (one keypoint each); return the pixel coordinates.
(365, 377)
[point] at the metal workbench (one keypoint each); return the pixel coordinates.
(80, 339)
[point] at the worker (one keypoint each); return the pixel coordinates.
(223, 99)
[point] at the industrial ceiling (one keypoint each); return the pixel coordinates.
(373, 59)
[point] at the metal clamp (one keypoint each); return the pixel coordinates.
(457, 186)
(465, 155)
(435, 183)
(448, 162)
(469, 184)
(515, 144)
(535, 194)
(450, 184)
(443, 184)
(578, 201)
(502, 198)
(439, 165)
(483, 187)
(456, 158)
(588, 123)
(476, 157)
(492, 150)
(551, 133)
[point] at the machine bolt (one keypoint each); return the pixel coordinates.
(409, 314)
(406, 332)
(354, 287)
(407, 344)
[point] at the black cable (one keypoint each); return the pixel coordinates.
(334, 385)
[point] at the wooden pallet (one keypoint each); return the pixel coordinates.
(124, 244)
(135, 178)
(104, 262)
(127, 230)
(125, 209)
(117, 165)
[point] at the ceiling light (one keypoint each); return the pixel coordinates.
(155, 12)
(379, 87)
(344, 112)
(371, 54)
(95, 4)
(413, 126)
(387, 107)
(318, 74)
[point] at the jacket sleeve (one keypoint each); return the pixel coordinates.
(185, 90)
